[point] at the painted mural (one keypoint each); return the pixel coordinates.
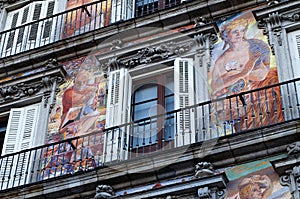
(80, 109)
(255, 180)
(86, 19)
(242, 61)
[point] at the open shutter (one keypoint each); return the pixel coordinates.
(184, 96)
(20, 133)
(294, 43)
(118, 94)
(48, 23)
(11, 36)
(118, 109)
(121, 10)
(22, 29)
(35, 26)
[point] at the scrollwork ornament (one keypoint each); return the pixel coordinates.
(213, 38)
(292, 17)
(221, 194)
(285, 180)
(104, 192)
(293, 148)
(204, 193)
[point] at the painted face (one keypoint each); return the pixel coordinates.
(237, 34)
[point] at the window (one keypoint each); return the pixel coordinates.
(3, 126)
(154, 97)
(144, 7)
(27, 37)
(294, 45)
(137, 98)
(20, 135)
(121, 10)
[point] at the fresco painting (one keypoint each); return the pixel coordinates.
(255, 180)
(89, 18)
(80, 109)
(242, 61)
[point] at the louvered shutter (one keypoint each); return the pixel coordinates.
(11, 36)
(34, 26)
(22, 29)
(121, 10)
(294, 43)
(184, 96)
(118, 94)
(118, 109)
(20, 133)
(48, 23)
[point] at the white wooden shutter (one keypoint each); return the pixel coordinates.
(9, 39)
(48, 24)
(184, 96)
(121, 10)
(35, 16)
(19, 136)
(119, 86)
(25, 13)
(118, 111)
(294, 44)
(294, 47)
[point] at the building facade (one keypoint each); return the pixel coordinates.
(149, 99)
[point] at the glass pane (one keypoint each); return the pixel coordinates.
(145, 110)
(169, 103)
(145, 93)
(169, 87)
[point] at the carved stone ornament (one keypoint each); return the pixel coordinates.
(204, 193)
(104, 192)
(51, 63)
(272, 2)
(18, 91)
(293, 148)
(292, 179)
(156, 53)
(200, 21)
(211, 193)
(204, 169)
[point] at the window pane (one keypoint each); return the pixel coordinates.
(145, 93)
(145, 110)
(169, 87)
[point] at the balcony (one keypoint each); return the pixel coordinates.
(74, 22)
(215, 119)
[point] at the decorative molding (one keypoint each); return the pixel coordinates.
(293, 148)
(52, 63)
(160, 52)
(272, 2)
(204, 192)
(291, 17)
(40, 84)
(200, 21)
(204, 169)
(14, 92)
(116, 44)
(292, 180)
(21, 90)
(213, 193)
(104, 192)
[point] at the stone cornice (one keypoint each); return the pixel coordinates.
(25, 87)
(176, 44)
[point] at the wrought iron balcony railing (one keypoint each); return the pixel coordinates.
(217, 118)
(75, 22)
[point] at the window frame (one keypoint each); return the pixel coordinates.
(159, 80)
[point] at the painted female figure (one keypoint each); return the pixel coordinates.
(244, 65)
